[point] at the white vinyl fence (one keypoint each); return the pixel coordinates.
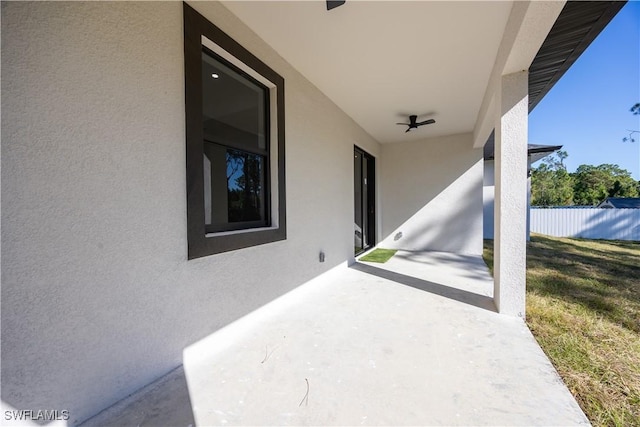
(588, 223)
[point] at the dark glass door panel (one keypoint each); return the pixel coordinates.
(364, 201)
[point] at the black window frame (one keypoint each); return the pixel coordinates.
(201, 243)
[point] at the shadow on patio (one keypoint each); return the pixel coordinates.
(415, 341)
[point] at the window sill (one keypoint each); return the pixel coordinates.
(235, 232)
(226, 241)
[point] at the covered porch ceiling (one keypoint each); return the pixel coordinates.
(381, 61)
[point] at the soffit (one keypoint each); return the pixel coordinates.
(381, 61)
(576, 28)
(578, 25)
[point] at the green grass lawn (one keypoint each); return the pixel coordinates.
(379, 255)
(583, 307)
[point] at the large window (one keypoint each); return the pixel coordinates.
(235, 143)
(236, 147)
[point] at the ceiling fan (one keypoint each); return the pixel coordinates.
(414, 124)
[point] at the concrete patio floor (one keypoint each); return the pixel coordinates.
(414, 341)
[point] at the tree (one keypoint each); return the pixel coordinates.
(593, 184)
(551, 184)
(244, 186)
(635, 110)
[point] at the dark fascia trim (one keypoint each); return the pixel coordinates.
(532, 151)
(196, 26)
(544, 149)
(566, 19)
(489, 148)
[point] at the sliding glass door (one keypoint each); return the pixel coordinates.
(364, 200)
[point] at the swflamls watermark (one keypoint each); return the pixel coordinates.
(36, 415)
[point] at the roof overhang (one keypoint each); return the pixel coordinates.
(577, 26)
(539, 152)
(535, 151)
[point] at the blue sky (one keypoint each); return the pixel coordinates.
(587, 111)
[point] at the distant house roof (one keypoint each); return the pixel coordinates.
(621, 203)
(535, 151)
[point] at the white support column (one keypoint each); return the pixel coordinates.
(510, 217)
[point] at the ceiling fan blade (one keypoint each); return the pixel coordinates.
(405, 124)
(407, 130)
(426, 122)
(332, 4)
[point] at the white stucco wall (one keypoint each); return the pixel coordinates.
(432, 195)
(98, 298)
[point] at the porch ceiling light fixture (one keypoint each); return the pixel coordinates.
(332, 4)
